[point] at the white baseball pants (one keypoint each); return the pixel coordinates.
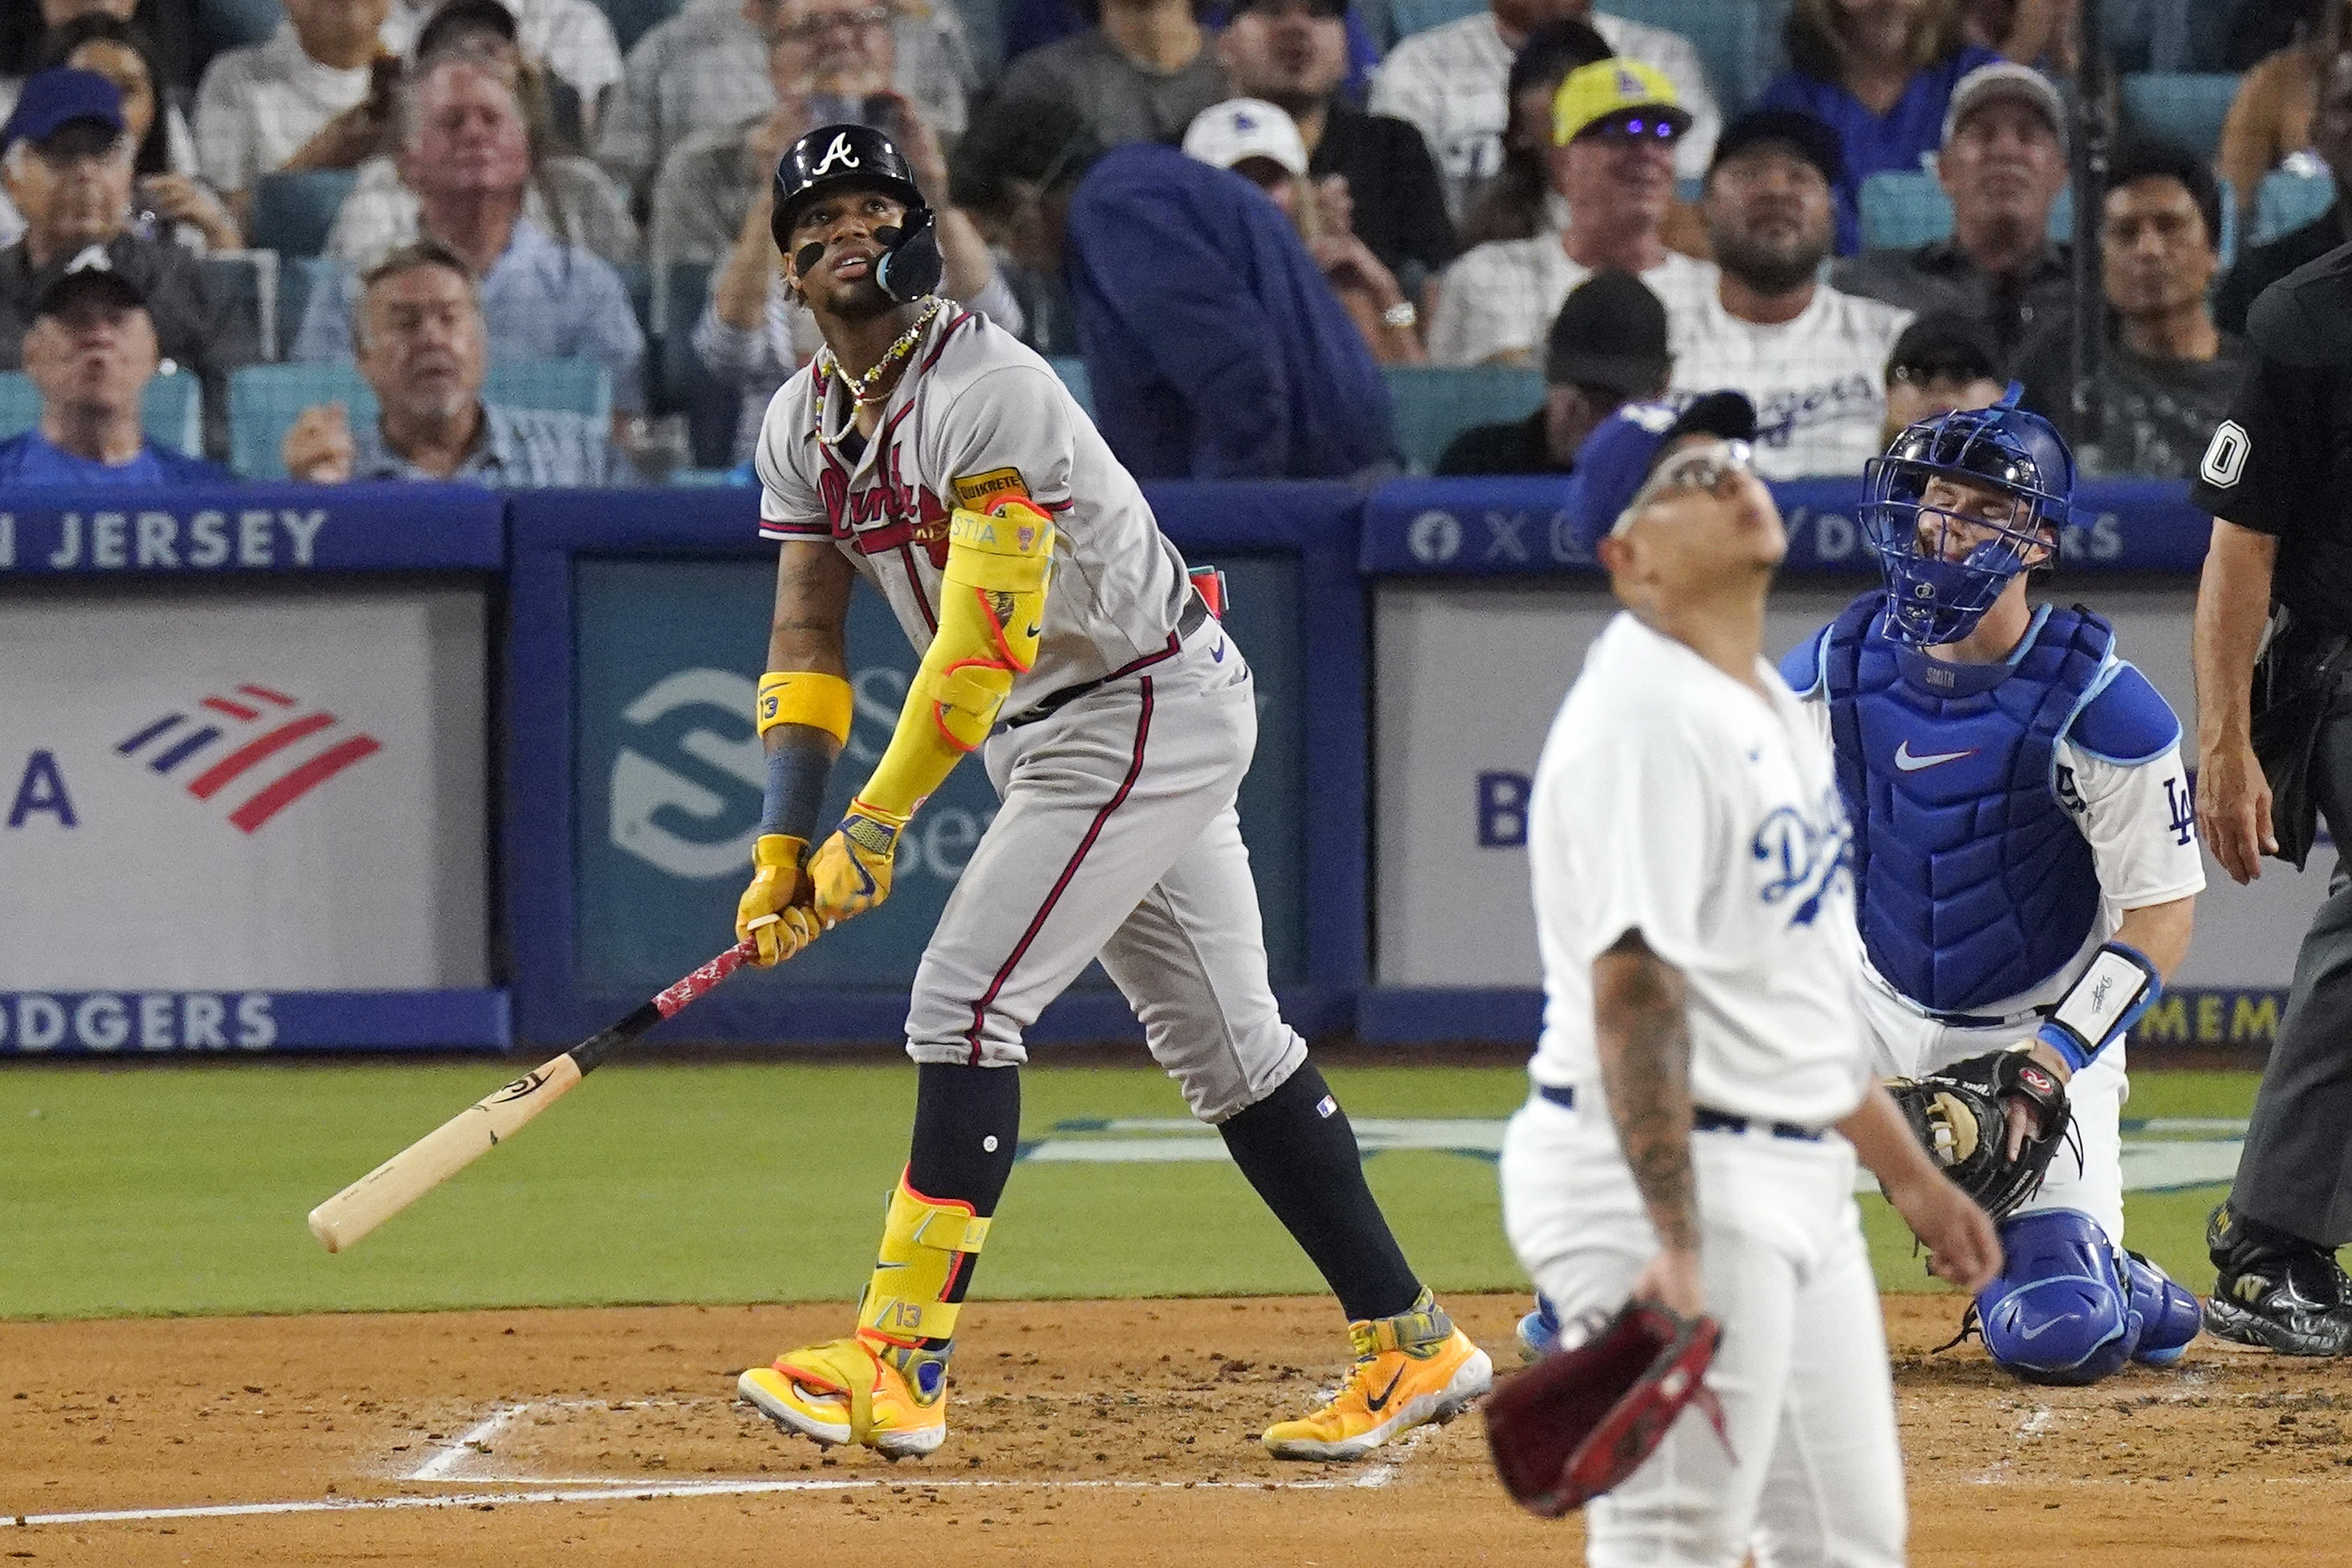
(1815, 1475)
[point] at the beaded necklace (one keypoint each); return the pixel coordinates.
(863, 388)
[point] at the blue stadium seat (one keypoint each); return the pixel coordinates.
(633, 19)
(265, 399)
(2181, 109)
(1073, 371)
(713, 408)
(248, 280)
(1903, 210)
(1725, 34)
(1420, 16)
(227, 24)
(171, 411)
(292, 213)
(2286, 201)
(1435, 404)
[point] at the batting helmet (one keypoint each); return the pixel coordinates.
(1935, 595)
(836, 155)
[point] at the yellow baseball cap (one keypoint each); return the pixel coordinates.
(1613, 87)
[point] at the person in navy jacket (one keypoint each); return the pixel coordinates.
(1215, 347)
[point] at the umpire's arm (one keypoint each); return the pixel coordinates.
(2234, 601)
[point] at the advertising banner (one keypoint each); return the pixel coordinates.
(669, 773)
(1467, 680)
(211, 794)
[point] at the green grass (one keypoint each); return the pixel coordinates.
(184, 1191)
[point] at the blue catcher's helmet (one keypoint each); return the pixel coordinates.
(1944, 570)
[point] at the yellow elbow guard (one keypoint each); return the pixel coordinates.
(991, 613)
(805, 697)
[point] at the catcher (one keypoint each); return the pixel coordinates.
(2025, 870)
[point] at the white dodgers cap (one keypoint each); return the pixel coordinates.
(1240, 128)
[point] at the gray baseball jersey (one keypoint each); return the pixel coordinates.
(1126, 741)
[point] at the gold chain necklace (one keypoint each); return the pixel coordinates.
(862, 388)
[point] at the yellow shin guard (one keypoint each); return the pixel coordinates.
(905, 1316)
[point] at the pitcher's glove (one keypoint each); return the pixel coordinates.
(1579, 1421)
(1961, 1116)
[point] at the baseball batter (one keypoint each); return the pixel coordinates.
(930, 453)
(2025, 856)
(1702, 1086)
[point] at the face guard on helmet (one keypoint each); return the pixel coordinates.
(1960, 505)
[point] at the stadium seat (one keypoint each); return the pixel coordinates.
(1435, 404)
(2180, 108)
(1725, 34)
(265, 399)
(633, 19)
(2286, 201)
(228, 23)
(1420, 16)
(1903, 211)
(248, 280)
(713, 408)
(297, 277)
(171, 411)
(292, 213)
(1073, 371)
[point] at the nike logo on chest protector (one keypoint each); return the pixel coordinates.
(1909, 762)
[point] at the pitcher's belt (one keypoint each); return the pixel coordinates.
(1195, 616)
(1703, 1120)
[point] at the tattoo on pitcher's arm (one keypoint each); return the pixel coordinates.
(1643, 1033)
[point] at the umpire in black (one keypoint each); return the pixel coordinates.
(2274, 754)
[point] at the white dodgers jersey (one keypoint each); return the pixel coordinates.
(976, 416)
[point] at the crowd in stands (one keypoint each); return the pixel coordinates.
(1258, 236)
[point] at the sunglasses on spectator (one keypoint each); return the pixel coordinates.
(1702, 467)
(818, 25)
(1634, 131)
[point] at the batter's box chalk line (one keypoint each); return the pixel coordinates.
(448, 1464)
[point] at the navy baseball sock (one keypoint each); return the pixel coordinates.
(1300, 1153)
(967, 1130)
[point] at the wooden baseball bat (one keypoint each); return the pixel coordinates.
(352, 1213)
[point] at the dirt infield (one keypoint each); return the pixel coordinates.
(1083, 1433)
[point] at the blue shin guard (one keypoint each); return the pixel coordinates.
(2062, 1310)
(2169, 1315)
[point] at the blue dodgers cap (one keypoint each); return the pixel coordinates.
(1616, 458)
(55, 99)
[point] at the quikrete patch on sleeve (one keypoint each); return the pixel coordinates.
(979, 492)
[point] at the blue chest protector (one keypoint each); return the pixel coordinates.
(1972, 882)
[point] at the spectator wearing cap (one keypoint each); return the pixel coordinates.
(466, 155)
(1452, 82)
(1607, 349)
(1518, 201)
(91, 352)
(1257, 140)
(563, 194)
(2331, 138)
(1809, 358)
(2003, 165)
(421, 343)
(1615, 126)
(1215, 349)
(1941, 363)
(570, 38)
(706, 70)
(66, 161)
(1881, 75)
(1626, 452)
(1372, 171)
(1141, 72)
(165, 192)
(309, 97)
(2169, 375)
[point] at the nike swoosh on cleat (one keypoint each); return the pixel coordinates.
(1909, 762)
(1377, 1405)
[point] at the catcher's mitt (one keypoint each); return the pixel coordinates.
(1579, 1421)
(1961, 1114)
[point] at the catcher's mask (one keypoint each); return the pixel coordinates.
(834, 156)
(1943, 570)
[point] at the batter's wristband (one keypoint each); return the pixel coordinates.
(795, 790)
(809, 697)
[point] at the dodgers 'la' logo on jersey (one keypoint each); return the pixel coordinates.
(836, 153)
(1804, 856)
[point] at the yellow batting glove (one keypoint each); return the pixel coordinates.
(850, 872)
(774, 914)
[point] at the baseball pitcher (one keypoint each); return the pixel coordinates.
(2024, 857)
(927, 452)
(1702, 1085)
